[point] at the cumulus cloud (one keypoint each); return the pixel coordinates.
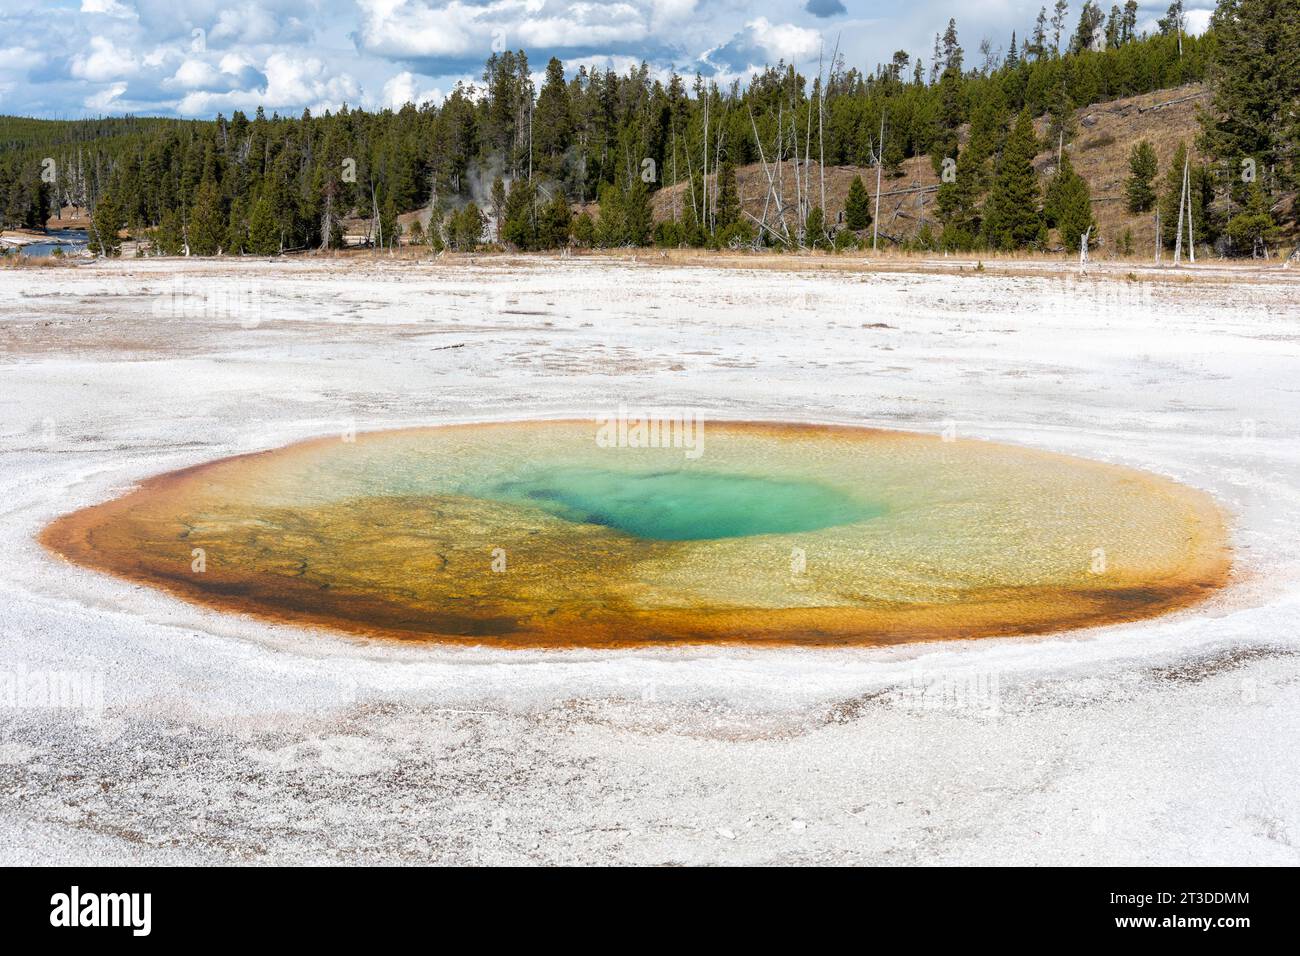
(108, 8)
(104, 61)
(458, 31)
(106, 99)
(251, 23)
(17, 58)
(763, 42)
(404, 88)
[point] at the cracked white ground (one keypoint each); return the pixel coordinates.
(226, 739)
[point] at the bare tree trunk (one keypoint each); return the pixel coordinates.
(1182, 202)
(704, 182)
(821, 143)
(880, 162)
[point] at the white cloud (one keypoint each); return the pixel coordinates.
(432, 29)
(665, 12)
(195, 74)
(784, 41)
(402, 29)
(292, 83)
(16, 58)
(1198, 21)
(108, 8)
(401, 89)
(104, 62)
(105, 99)
(249, 23)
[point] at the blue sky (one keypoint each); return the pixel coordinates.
(74, 58)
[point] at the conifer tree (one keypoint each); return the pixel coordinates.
(637, 213)
(857, 207)
(556, 222)
(1142, 169)
(107, 220)
(467, 228)
(1013, 219)
(1252, 230)
(1255, 74)
(611, 227)
(520, 227)
(815, 229)
(168, 238)
(236, 241)
(584, 230)
(263, 231)
(1058, 24)
(207, 226)
(1068, 205)
(389, 231)
(552, 120)
(957, 205)
(728, 209)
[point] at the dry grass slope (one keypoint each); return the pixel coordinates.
(1106, 132)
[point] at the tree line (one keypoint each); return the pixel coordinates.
(506, 161)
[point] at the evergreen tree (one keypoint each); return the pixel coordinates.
(1038, 44)
(263, 230)
(467, 228)
(553, 121)
(1128, 33)
(107, 219)
(1058, 24)
(389, 233)
(1174, 22)
(1061, 126)
(857, 207)
(1068, 205)
(584, 230)
(236, 241)
(1253, 229)
(1013, 219)
(207, 226)
(556, 222)
(1255, 73)
(637, 213)
(1090, 22)
(520, 227)
(728, 209)
(1114, 26)
(168, 238)
(611, 227)
(956, 207)
(815, 229)
(1142, 169)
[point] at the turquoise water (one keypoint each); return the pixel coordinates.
(685, 505)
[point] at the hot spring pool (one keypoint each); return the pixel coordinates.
(534, 533)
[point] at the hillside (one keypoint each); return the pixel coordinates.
(1105, 133)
